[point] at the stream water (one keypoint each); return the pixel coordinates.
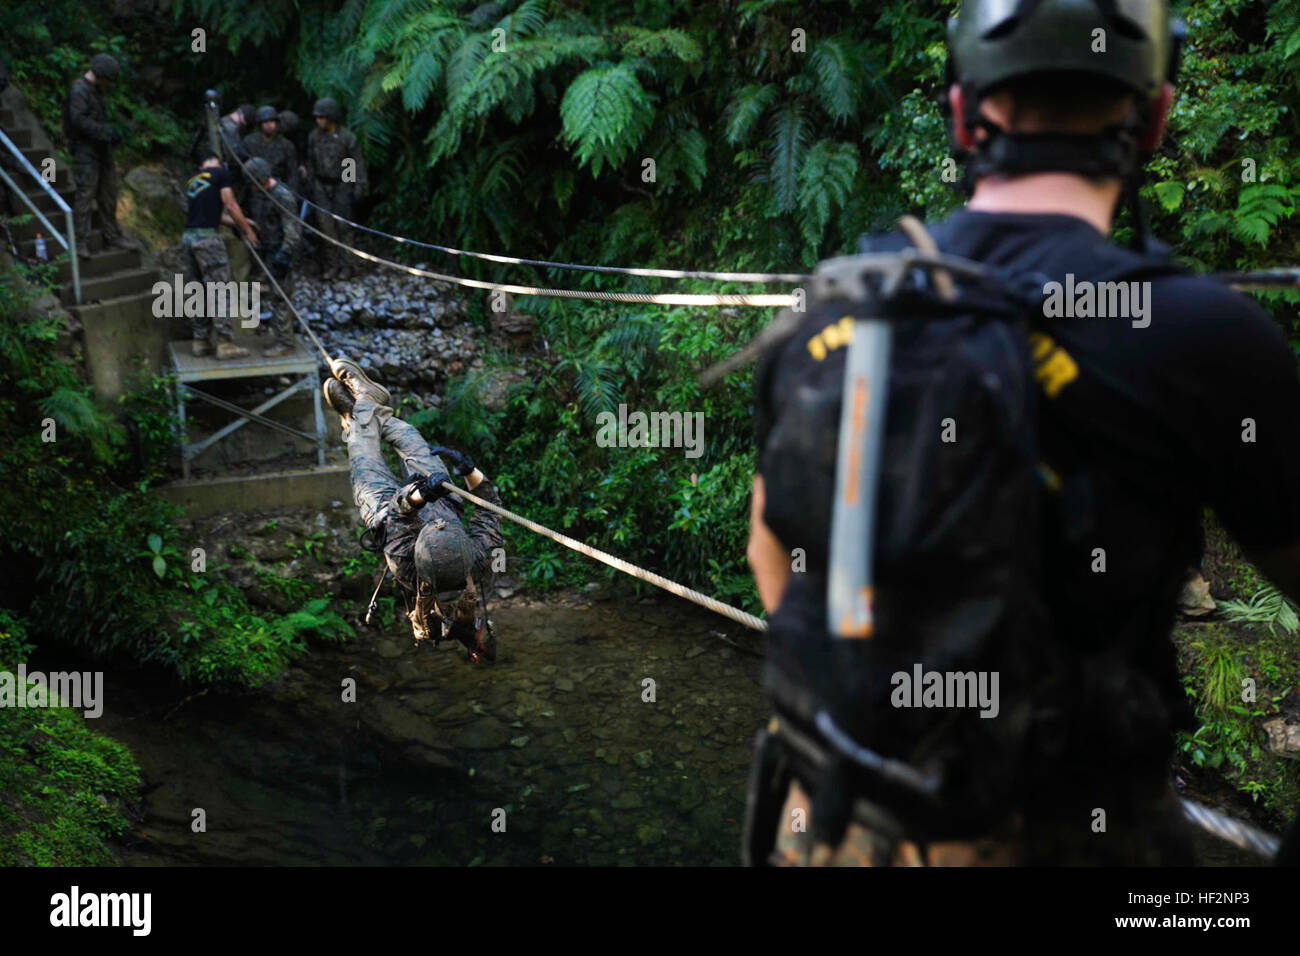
(556, 744)
(554, 755)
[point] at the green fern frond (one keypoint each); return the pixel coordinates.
(825, 181)
(684, 157)
(421, 77)
(527, 20)
(641, 42)
(835, 66)
(605, 112)
(1284, 26)
(745, 109)
(74, 412)
(789, 143)
(1260, 207)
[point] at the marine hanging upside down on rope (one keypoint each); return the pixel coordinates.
(442, 569)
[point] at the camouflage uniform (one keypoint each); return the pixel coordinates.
(279, 152)
(90, 141)
(325, 155)
(384, 503)
(278, 226)
(203, 258)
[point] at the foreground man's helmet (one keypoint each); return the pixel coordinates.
(1127, 44)
(328, 108)
(994, 41)
(258, 168)
(267, 113)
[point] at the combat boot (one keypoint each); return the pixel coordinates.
(338, 397)
(200, 347)
(277, 350)
(359, 383)
(229, 350)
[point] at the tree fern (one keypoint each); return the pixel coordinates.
(497, 79)
(605, 112)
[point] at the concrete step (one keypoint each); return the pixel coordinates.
(32, 226)
(114, 285)
(45, 202)
(101, 264)
(22, 138)
(34, 154)
(53, 249)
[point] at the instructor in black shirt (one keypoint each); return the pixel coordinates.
(212, 202)
(1194, 403)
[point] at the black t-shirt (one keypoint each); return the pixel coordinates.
(204, 192)
(1154, 416)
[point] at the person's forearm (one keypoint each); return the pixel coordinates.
(237, 214)
(766, 556)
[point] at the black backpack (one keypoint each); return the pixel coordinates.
(956, 562)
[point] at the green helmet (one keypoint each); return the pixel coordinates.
(328, 108)
(993, 41)
(443, 553)
(247, 111)
(258, 168)
(104, 66)
(267, 113)
(288, 120)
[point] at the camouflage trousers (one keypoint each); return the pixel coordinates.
(275, 311)
(373, 483)
(96, 191)
(338, 199)
(203, 259)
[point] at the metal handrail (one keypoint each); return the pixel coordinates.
(69, 243)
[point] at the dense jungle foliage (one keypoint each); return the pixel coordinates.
(780, 130)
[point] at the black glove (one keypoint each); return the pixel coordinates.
(114, 136)
(430, 489)
(459, 462)
(280, 263)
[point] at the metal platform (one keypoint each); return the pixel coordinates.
(190, 368)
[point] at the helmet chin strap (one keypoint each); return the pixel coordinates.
(1114, 152)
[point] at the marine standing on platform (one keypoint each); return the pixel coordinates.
(211, 202)
(276, 149)
(336, 173)
(91, 141)
(279, 230)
